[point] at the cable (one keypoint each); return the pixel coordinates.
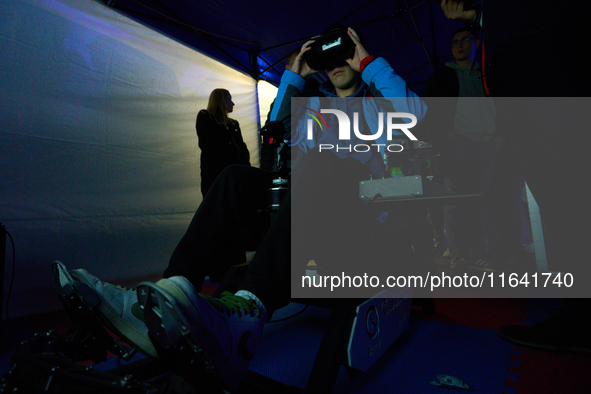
(191, 26)
(10, 288)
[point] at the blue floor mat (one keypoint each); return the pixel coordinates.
(425, 350)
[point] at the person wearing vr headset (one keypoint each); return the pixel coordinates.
(229, 329)
(358, 84)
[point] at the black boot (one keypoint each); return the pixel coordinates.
(567, 331)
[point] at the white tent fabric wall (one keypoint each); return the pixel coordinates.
(98, 151)
(267, 94)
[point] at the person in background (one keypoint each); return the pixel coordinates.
(474, 153)
(220, 138)
(542, 102)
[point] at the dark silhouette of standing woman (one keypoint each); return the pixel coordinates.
(220, 138)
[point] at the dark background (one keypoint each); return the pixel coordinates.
(253, 36)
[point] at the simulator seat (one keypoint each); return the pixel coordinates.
(357, 334)
(48, 362)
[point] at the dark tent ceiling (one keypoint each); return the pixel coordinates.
(254, 36)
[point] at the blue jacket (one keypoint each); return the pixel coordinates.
(378, 80)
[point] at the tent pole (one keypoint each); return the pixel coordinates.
(435, 57)
(2, 269)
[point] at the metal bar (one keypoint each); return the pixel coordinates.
(353, 12)
(435, 56)
(330, 354)
(208, 39)
(419, 37)
(2, 269)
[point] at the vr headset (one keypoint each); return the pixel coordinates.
(330, 50)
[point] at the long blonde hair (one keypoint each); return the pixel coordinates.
(217, 105)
